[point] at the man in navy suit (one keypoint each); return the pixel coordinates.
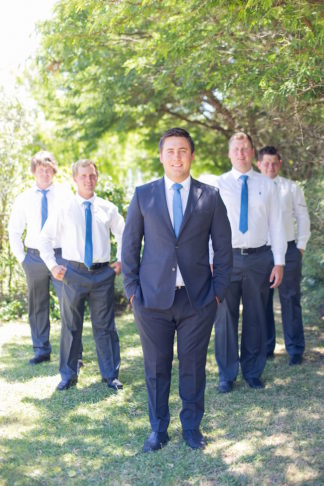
(171, 286)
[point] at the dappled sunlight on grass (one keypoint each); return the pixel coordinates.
(238, 450)
(93, 435)
(302, 474)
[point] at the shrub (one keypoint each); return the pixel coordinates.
(313, 262)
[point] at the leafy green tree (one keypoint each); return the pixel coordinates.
(211, 66)
(16, 136)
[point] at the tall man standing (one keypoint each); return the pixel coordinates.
(171, 286)
(294, 210)
(253, 211)
(84, 226)
(30, 211)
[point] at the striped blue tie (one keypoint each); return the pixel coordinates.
(244, 205)
(88, 250)
(44, 210)
(177, 208)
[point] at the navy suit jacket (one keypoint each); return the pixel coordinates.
(151, 276)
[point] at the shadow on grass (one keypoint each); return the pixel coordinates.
(91, 435)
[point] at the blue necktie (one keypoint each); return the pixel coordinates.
(88, 251)
(177, 208)
(44, 206)
(244, 205)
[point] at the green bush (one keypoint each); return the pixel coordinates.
(313, 262)
(13, 309)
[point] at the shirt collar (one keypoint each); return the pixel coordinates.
(81, 200)
(49, 188)
(237, 174)
(185, 184)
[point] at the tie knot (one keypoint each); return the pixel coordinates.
(87, 204)
(177, 186)
(244, 178)
(43, 191)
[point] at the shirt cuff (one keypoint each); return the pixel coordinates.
(301, 245)
(21, 257)
(51, 263)
(279, 259)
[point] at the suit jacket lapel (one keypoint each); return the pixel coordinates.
(194, 194)
(162, 206)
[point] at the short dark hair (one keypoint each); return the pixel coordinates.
(268, 150)
(241, 136)
(177, 132)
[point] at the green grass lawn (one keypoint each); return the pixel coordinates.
(92, 435)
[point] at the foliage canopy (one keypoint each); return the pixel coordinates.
(210, 66)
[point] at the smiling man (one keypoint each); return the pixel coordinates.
(254, 213)
(295, 215)
(29, 212)
(171, 286)
(84, 224)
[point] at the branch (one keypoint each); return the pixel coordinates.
(221, 109)
(197, 122)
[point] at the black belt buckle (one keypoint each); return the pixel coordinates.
(244, 251)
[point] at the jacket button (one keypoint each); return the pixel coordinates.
(173, 269)
(177, 246)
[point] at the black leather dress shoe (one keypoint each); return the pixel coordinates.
(155, 441)
(295, 359)
(270, 355)
(113, 383)
(225, 386)
(39, 359)
(66, 384)
(255, 383)
(79, 365)
(194, 439)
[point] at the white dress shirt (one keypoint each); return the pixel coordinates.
(184, 192)
(26, 214)
(264, 215)
(69, 223)
(294, 210)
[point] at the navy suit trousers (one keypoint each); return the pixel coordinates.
(96, 286)
(38, 281)
(249, 282)
(157, 330)
(291, 314)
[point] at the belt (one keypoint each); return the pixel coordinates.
(291, 243)
(180, 287)
(33, 251)
(248, 251)
(82, 266)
